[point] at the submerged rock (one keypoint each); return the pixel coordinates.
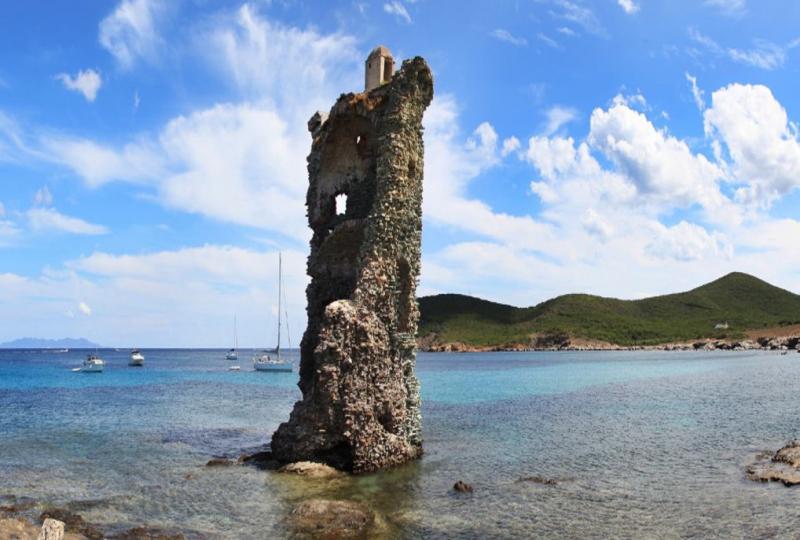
(146, 533)
(16, 505)
(311, 469)
(261, 460)
(536, 479)
(324, 519)
(782, 466)
(463, 487)
(220, 462)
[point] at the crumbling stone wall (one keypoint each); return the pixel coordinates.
(360, 409)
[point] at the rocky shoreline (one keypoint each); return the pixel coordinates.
(783, 343)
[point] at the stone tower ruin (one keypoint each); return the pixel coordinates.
(360, 409)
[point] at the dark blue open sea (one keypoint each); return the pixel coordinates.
(642, 444)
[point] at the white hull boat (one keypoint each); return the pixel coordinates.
(233, 354)
(137, 358)
(92, 364)
(272, 361)
(265, 362)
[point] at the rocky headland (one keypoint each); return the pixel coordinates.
(777, 343)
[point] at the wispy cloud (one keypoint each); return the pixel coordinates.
(580, 15)
(764, 54)
(628, 6)
(129, 32)
(556, 117)
(566, 31)
(49, 219)
(43, 197)
(550, 42)
(697, 93)
(729, 7)
(86, 82)
(398, 10)
(508, 37)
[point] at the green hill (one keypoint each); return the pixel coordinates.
(744, 301)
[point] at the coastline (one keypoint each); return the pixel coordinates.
(776, 343)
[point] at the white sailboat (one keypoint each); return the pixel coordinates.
(137, 358)
(271, 360)
(233, 354)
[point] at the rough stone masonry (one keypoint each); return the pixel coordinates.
(360, 409)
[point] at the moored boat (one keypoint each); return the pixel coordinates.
(92, 364)
(137, 358)
(233, 354)
(271, 360)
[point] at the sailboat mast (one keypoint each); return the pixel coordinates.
(235, 334)
(280, 281)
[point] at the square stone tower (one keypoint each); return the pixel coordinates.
(379, 68)
(360, 409)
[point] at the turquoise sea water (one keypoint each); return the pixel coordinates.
(643, 444)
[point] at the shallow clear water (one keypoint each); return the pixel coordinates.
(644, 444)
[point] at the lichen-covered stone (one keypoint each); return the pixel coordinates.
(360, 409)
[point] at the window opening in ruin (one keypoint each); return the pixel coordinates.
(388, 64)
(341, 204)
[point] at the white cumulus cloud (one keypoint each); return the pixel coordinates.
(86, 82)
(760, 140)
(628, 6)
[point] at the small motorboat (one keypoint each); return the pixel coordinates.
(137, 358)
(92, 364)
(234, 368)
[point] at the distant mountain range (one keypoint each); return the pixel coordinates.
(40, 343)
(739, 301)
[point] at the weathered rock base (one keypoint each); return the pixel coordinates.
(360, 409)
(783, 466)
(325, 519)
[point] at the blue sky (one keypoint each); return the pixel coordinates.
(152, 153)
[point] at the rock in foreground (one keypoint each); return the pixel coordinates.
(52, 529)
(323, 519)
(783, 466)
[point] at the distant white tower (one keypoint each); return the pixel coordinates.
(379, 68)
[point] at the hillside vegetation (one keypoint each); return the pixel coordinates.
(744, 301)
